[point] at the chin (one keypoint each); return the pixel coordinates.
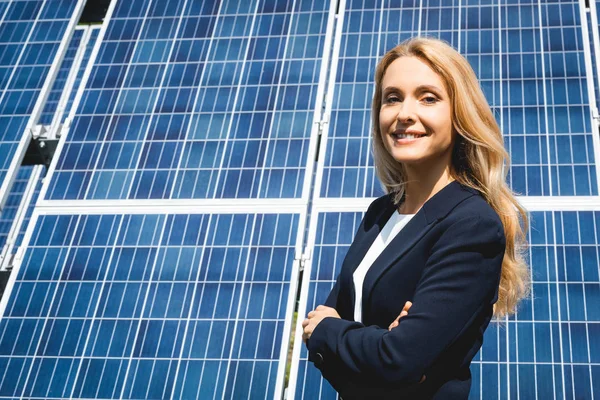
(408, 157)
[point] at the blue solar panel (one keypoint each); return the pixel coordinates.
(197, 100)
(30, 35)
(548, 350)
(529, 57)
(150, 306)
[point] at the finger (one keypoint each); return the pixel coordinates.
(305, 323)
(407, 306)
(403, 314)
(310, 314)
(423, 379)
(320, 307)
(393, 325)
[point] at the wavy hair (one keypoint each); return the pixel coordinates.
(479, 159)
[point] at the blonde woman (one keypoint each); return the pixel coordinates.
(445, 241)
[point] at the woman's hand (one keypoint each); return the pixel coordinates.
(314, 318)
(403, 313)
(396, 322)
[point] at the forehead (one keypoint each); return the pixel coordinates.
(406, 72)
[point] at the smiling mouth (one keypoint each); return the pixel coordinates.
(408, 136)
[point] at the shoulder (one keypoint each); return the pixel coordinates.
(474, 207)
(473, 216)
(378, 206)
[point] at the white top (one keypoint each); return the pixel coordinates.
(388, 233)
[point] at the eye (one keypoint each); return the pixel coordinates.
(392, 99)
(429, 99)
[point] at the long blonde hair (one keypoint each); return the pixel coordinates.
(479, 159)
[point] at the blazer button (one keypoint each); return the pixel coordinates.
(318, 359)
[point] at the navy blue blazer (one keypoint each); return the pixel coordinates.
(447, 260)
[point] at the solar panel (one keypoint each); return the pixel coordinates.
(529, 58)
(151, 306)
(197, 100)
(548, 350)
(30, 36)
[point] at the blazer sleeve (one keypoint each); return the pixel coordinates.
(460, 278)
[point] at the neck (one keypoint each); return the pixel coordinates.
(420, 187)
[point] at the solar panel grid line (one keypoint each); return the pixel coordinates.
(316, 113)
(587, 334)
(84, 81)
(277, 92)
(558, 300)
(4, 13)
(188, 320)
(212, 206)
(146, 295)
(22, 52)
(166, 69)
(70, 318)
(530, 203)
(156, 93)
(44, 324)
(583, 22)
(43, 93)
(17, 224)
(238, 308)
(545, 93)
(196, 98)
(266, 182)
(186, 324)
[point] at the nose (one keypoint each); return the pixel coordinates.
(406, 112)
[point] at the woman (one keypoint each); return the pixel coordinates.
(447, 237)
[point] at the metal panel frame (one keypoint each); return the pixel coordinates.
(5, 253)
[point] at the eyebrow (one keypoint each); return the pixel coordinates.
(420, 88)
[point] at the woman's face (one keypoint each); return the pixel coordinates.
(415, 119)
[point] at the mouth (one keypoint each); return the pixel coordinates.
(399, 135)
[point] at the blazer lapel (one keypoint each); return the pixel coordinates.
(436, 208)
(362, 242)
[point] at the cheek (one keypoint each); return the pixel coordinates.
(439, 122)
(386, 118)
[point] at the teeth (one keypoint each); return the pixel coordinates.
(405, 136)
